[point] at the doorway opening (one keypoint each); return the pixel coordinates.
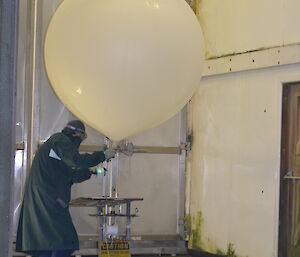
(289, 212)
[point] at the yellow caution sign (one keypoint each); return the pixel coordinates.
(115, 249)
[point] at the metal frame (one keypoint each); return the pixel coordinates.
(103, 204)
(136, 149)
(184, 149)
(30, 67)
(8, 64)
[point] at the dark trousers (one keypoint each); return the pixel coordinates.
(63, 253)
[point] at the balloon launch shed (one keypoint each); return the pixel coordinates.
(196, 100)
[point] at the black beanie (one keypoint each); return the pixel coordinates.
(77, 124)
(74, 123)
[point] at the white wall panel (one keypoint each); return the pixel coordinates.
(236, 26)
(236, 161)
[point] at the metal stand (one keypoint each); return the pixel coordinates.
(102, 204)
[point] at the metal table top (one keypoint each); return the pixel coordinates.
(101, 201)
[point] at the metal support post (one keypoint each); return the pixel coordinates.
(8, 61)
(30, 76)
(128, 220)
(181, 169)
(101, 222)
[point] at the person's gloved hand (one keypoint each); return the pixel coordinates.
(109, 153)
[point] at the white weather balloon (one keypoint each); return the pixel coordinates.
(123, 66)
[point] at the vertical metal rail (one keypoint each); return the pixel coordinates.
(128, 221)
(8, 61)
(188, 164)
(109, 178)
(101, 223)
(31, 29)
(188, 154)
(113, 169)
(114, 190)
(181, 174)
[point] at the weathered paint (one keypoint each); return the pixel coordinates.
(195, 241)
(188, 225)
(236, 161)
(230, 251)
(195, 232)
(236, 121)
(236, 26)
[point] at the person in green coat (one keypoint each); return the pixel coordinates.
(45, 226)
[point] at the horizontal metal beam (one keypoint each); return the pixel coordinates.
(92, 148)
(157, 150)
(136, 149)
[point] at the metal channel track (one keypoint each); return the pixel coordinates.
(137, 149)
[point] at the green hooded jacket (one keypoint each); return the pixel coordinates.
(45, 222)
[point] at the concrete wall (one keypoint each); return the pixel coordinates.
(236, 116)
